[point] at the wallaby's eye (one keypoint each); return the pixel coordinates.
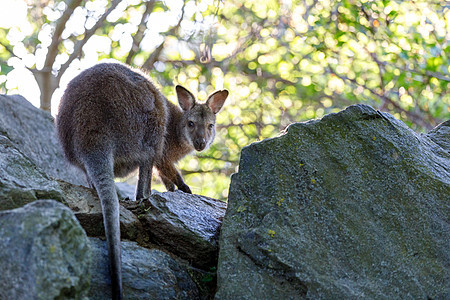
(211, 126)
(191, 124)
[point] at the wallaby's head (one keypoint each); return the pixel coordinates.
(199, 119)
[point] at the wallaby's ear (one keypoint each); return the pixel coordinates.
(216, 100)
(185, 98)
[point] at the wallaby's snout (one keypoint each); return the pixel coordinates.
(203, 133)
(199, 144)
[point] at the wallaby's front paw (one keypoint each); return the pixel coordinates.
(127, 201)
(132, 204)
(185, 189)
(141, 201)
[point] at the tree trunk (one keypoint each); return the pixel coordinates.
(47, 85)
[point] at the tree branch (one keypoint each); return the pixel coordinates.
(180, 62)
(12, 54)
(267, 75)
(218, 159)
(423, 73)
(89, 33)
(426, 73)
(56, 38)
(8, 49)
(413, 116)
(139, 35)
(243, 44)
(155, 55)
(226, 171)
(307, 10)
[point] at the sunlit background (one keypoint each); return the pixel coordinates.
(14, 15)
(283, 61)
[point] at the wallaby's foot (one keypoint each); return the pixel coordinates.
(133, 204)
(185, 188)
(144, 204)
(170, 187)
(126, 201)
(141, 202)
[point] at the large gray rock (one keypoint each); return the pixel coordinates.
(352, 206)
(187, 225)
(147, 274)
(21, 182)
(44, 253)
(33, 132)
(85, 204)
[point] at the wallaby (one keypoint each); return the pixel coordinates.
(113, 120)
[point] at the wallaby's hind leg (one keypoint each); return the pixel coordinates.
(144, 184)
(99, 168)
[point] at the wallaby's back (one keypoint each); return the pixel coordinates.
(112, 107)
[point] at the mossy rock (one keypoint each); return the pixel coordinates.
(355, 205)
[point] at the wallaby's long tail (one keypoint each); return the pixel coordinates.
(99, 167)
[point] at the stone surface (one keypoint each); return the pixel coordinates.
(352, 206)
(21, 181)
(44, 253)
(87, 208)
(147, 274)
(186, 225)
(33, 132)
(441, 135)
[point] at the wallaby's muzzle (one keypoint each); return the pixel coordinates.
(199, 144)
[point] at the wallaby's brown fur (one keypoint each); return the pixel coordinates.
(112, 120)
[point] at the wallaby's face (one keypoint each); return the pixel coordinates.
(199, 119)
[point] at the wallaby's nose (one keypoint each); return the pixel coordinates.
(199, 144)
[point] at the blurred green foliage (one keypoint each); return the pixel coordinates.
(285, 61)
